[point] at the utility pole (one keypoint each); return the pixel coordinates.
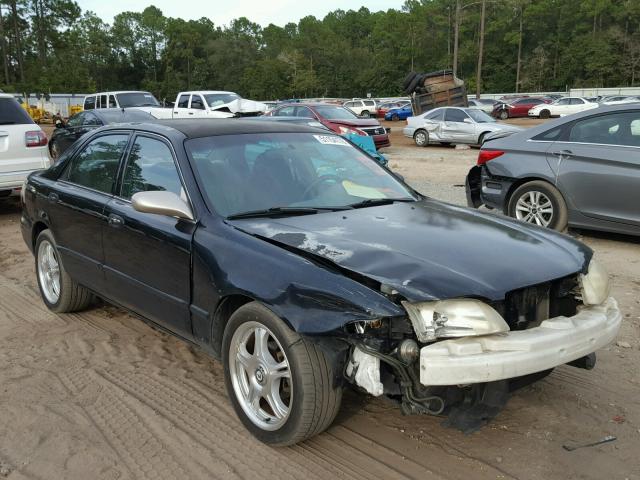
(519, 64)
(16, 33)
(456, 32)
(5, 60)
(480, 49)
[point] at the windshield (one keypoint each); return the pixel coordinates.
(217, 99)
(245, 173)
(479, 116)
(137, 99)
(335, 112)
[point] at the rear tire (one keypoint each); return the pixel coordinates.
(539, 203)
(545, 113)
(307, 400)
(365, 114)
(421, 137)
(60, 293)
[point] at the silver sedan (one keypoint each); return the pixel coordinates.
(453, 125)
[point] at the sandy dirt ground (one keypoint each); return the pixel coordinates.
(102, 395)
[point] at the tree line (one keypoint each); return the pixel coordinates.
(494, 45)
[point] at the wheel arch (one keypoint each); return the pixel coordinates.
(227, 306)
(37, 228)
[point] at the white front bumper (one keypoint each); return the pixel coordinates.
(507, 355)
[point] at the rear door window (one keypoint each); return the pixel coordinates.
(11, 113)
(90, 103)
(183, 102)
(612, 129)
(576, 101)
(435, 115)
(150, 168)
(286, 112)
(96, 165)
(112, 102)
(103, 101)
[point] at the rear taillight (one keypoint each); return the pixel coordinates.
(35, 138)
(485, 155)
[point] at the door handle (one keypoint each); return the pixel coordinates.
(53, 197)
(563, 153)
(190, 113)
(115, 220)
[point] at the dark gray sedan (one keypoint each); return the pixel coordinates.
(581, 171)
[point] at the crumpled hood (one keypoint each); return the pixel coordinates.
(428, 249)
(242, 105)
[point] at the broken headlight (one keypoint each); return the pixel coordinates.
(594, 286)
(462, 317)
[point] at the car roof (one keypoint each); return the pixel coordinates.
(114, 115)
(214, 127)
(538, 129)
(115, 92)
(6, 95)
(206, 91)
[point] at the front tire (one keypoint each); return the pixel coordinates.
(545, 113)
(539, 203)
(395, 117)
(421, 137)
(60, 293)
(504, 114)
(281, 385)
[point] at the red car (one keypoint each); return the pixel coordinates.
(336, 118)
(383, 108)
(518, 107)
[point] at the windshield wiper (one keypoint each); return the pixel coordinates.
(267, 212)
(374, 202)
(7, 123)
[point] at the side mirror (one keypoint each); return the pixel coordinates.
(467, 120)
(161, 203)
(60, 124)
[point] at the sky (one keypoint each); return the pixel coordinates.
(221, 12)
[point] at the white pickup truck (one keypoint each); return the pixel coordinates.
(196, 104)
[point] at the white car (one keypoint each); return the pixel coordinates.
(120, 99)
(453, 125)
(561, 107)
(363, 108)
(214, 103)
(23, 146)
(619, 100)
(485, 104)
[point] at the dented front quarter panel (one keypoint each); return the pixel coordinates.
(311, 298)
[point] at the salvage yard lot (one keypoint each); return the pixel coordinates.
(99, 394)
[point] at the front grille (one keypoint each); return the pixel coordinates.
(374, 131)
(528, 307)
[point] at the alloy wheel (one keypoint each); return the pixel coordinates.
(260, 375)
(535, 207)
(49, 271)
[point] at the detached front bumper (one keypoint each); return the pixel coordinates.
(488, 358)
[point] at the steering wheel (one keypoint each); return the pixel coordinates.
(318, 181)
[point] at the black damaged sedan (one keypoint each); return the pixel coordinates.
(306, 267)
